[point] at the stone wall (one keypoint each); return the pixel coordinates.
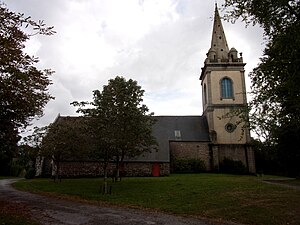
(93, 169)
(212, 154)
(251, 159)
(234, 152)
(191, 150)
(145, 169)
(243, 153)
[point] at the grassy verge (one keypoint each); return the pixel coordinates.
(243, 199)
(1, 178)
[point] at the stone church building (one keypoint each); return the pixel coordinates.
(215, 135)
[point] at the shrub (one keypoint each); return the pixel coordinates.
(188, 166)
(233, 167)
(30, 173)
(15, 169)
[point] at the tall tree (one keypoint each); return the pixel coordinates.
(276, 95)
(123, 122)
(65, 139)
(23, 87)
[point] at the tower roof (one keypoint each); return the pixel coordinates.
(218, 41)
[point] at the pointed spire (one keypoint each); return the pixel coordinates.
(219, 48)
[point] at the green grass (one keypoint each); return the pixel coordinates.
(1, 177)
(243, 199)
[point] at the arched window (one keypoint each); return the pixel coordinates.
(226, 88)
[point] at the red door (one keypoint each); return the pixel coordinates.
(155, 170)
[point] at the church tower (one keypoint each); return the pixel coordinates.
(223, 94)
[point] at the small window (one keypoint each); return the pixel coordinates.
(177, 134)
(226, 88)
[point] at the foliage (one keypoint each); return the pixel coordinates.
(232, 167)
(120, 122)
(23, 87)
(30, 173)
(65, 139)
(15, 169)
(275, 109)
(188, 166)
(266, 158)
(241, 199)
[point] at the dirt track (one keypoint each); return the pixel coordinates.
(51, 211)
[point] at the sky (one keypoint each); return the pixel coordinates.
(162, 44)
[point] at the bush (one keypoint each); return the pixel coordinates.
(233, 167)
(15, 169)
(30, 173)
(188, 166)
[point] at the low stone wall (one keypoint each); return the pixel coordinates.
(93, 169)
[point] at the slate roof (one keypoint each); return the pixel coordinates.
(186, 128)
(166, 129)
(192, 128)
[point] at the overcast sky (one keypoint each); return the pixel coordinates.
(162, 44)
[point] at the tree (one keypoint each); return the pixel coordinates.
(275, 106)
(121, 121)
(31, 149)
(23, 87)
(65, 139)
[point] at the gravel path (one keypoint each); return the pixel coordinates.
(280, 182)
(51, 211)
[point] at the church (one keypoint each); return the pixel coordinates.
(212, 137)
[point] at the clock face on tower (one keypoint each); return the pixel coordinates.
(229, 127)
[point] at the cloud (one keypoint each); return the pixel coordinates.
(160, 43)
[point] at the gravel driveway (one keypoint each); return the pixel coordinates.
(55, 211)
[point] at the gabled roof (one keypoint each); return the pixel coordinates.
(188, 128)
(166, 129)
(175, 128)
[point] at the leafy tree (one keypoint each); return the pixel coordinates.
(23, 87)
(121, 121)
(65, 139)
(275, 106)
(31, 147)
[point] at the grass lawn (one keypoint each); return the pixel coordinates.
(243, 199)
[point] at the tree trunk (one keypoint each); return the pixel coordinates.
(57, 171)
(105, 186)
(117, 172)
